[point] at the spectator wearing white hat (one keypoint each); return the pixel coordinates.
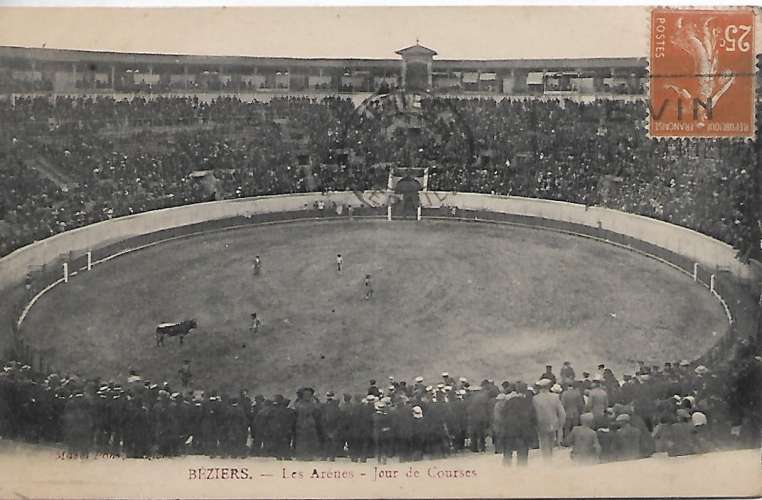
(383, 436)
(550, 417)
(458, 421)
(419, 386)
(478, 413)
(702, 435)
(419, 433)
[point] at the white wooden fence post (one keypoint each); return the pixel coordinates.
(89, 260)
(66, 272)
(695, 271)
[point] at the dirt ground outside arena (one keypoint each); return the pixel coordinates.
(477, 300)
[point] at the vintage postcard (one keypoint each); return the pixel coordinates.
(380, 252)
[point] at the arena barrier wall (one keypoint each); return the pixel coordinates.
(709, 252)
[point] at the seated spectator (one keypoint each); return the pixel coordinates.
(583, 440)
(682, 435)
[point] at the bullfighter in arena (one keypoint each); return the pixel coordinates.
(257, 265)
(255, 323)
(368, 287)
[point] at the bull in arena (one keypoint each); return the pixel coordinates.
(180, 329)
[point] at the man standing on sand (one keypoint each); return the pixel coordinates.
(257, 265)
(185, 373)
(339, 262)
(518, 421)
(550, 417)
(256, 323)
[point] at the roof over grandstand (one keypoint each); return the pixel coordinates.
(456, 33)
(83, 56)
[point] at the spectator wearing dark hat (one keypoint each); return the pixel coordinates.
(586, 382)
(258, 415)
(548, 374)
(331, 418)
(237, 429)
(497, 424)
(279, 428)
(308, 425)
(519, 425)
(567, 373)
(373, 390)
(360, 429)
(574, 405)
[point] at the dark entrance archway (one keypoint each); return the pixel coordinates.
(407, 188)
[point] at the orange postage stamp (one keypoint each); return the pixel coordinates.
(702, 65)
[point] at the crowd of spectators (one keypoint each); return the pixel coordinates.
(122, 157)
(679, 408)
(125, 156)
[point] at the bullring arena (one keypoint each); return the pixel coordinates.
(529, 295)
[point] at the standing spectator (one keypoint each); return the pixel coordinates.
(518, 424)
(549, 375)
(567, 373)
(360, 428)
(458, 424)
(598, 401)
(332, 425)
(574, 405)
(478, 414)
(497, 423)
(382, 432)
(306, 436)
(550, 417)
(419, 433)
(185, 374)
(279, 428)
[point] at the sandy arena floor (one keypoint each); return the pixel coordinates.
(477, 300)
